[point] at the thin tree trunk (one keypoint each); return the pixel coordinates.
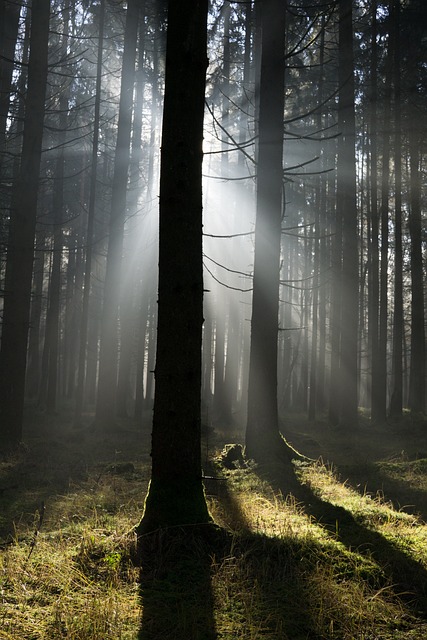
(58, 207)
(108, 357)
(379, 411)
(81, 375)
(347, 208)
(374, 288)
(9, 23)
(33, 368)
(396, 402)
(417, 366)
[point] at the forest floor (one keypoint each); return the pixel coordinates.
(343, 558)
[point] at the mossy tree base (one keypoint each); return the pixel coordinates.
(173, 502)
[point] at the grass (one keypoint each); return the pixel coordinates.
(333, 561)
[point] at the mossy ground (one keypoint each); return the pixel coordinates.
(335, 560)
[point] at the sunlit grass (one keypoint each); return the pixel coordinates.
(286, 557)
(278, 571)
(404, 530)
(412, 472)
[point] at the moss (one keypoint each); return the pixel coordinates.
(173, 502)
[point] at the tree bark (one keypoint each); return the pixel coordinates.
(20, 251)
(417, 366)
(175, 495)
(346, 206)
(379, 382)
(262, 431)
(9, 23)
(396, 401)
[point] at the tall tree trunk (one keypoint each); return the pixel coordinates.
(58, 207)
(9, 23)
(396, 402)
(33, 366)
(175, 495)
(317, 344)
(379, 409)
(131, 295)
(417, 366)
(20, 251)
(262, 431)
(222, 409)
(108, 357)
(84, 322)
(374, 286)
(347, 211)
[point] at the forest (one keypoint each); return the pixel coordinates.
(212, 314)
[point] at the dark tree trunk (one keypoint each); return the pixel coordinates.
(396, 401)
(175, 494)
(418, 366)
(33, 367)
(9, 22)
(52, 323)
(347, 211)
(374, 286)
(379, 408)
(58, 214)
(262, 424)
(20, 251)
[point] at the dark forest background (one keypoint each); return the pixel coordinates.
(80, 120)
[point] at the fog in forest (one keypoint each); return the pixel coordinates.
(82, 115)
(212, 318)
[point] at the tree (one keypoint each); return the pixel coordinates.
(417, 371)
(175, 495)
(9, 23)
(374, 285)
(347, 212)
(396, 400)
(262, 431)
(20, 250)
(81, 375)
(415, 62)
(108, 359)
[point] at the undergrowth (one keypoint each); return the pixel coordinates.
(342, 564)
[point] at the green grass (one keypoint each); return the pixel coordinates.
(331, 562)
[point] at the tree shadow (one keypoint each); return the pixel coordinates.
(373, 478)
(175, 585)
(271, 589)
(273, 584)
(407, 576)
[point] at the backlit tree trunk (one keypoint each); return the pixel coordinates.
(262, 430)
(347, 211)
(175, 494)
(418, 366)
(396, 401)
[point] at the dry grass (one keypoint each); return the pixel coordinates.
(340, 565)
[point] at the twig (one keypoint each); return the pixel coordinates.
(36, 532)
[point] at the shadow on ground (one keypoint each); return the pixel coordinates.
(407, 577)
(361, 456)
(175, 586)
